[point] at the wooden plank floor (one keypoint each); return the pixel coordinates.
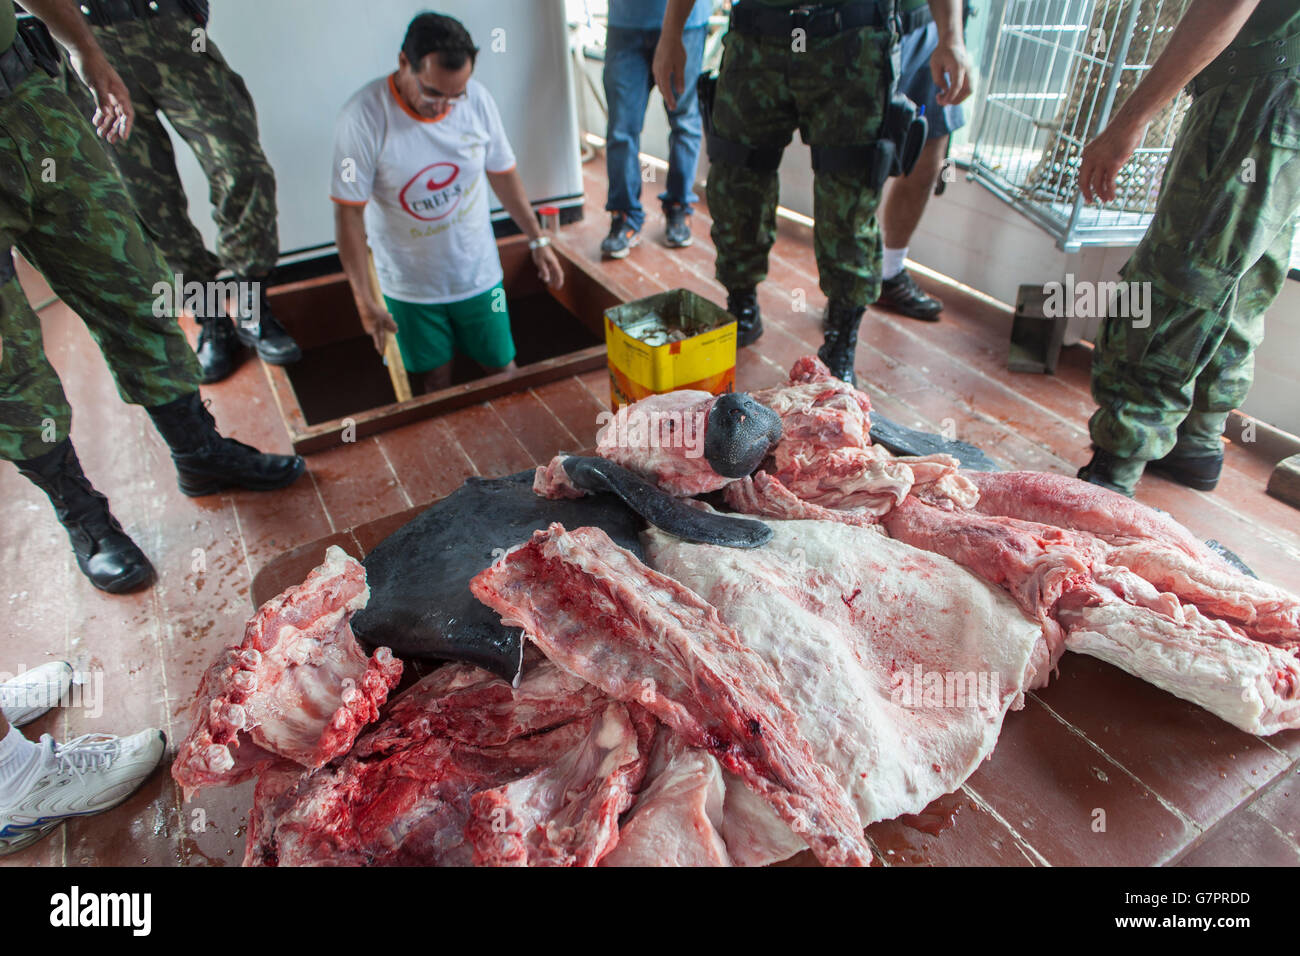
(1173, 784)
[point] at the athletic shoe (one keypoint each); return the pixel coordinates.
(622, 237)
(901, 294)
(93, 773)
(678, 232)
(34, 693)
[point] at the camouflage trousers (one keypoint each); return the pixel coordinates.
(63, 205)
(834, 91)
(1216, 255)
(209, 106)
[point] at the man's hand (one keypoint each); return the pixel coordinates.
(114, 114)
(670, 68)
(548, 267)
(377, 323)
(950, 67)
(1103, 158)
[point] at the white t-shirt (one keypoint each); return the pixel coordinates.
(423, 185)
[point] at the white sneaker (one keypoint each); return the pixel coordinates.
(31, 694)
(92, 773)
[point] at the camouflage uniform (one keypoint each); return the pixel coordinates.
(62, 204)
(834, 92)
(1216, 255)
(210, 107)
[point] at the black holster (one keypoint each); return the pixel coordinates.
(902, 136)
(41, 45)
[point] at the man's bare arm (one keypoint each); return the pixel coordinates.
(354, 253)
(510, 190)
(114, 113)
(950, 64)
(670, 54)
(1204, 32)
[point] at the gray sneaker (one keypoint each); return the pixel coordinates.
(95, 772)
(31, 694)
(678, 232)
(622, 237)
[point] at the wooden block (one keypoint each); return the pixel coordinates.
(1285, 482)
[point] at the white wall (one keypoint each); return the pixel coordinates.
(302, 59)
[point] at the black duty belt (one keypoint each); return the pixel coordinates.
(105, 13)
(918, 18)
(1241, 62)
(754, 19)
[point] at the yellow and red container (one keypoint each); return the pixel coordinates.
(704, 359)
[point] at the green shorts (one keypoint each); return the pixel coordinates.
(429, 334)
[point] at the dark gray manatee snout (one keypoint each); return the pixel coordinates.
(739, 434)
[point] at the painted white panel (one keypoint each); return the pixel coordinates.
(302, 59)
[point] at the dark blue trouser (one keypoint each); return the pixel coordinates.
(629, 56)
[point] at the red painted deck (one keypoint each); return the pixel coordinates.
(1176, 785)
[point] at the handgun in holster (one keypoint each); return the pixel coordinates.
(894, 153)
(36, 36)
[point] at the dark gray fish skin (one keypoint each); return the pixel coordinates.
(420, 603)
(663, 510)
(739, 434)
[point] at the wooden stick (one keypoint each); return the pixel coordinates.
(392, 354)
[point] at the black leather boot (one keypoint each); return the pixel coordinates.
(840, 327)
(217, 349)
(749, 322)
(1194, 471)
(1112, 472)
(258, 328)
(105, 554)
(206, 462)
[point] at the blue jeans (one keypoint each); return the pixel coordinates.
(629, 55)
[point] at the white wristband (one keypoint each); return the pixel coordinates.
(539, 243)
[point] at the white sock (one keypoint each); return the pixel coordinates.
(17, 754)
(891, 262)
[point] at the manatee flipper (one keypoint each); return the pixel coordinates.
(902, 440)
(663, 510)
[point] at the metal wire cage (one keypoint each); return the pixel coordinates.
(1057, 71)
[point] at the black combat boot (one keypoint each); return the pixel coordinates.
(258, 328)
(217, 349)
(1195, 471)
(206, 462)
(1112, 472)
(749, 322)
(104, 553)
(840, 327)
